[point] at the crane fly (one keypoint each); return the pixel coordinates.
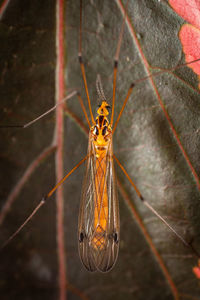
(98, 228)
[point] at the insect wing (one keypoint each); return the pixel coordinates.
(99, 213)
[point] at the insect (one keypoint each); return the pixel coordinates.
(131, 122)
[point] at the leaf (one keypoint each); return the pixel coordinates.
(196, 270)
(188, 10)
(143, 142)
(189, 33)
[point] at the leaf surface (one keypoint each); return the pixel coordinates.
(143, 142)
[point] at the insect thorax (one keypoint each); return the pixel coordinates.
(102, 131)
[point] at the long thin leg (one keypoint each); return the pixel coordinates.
(123, 106)
(166, 71)
(42, 202)
(20, 184)
(154, 250)
(51, 109)
(139, 81)
(116, 60)
(43, 115)
(83, 109)
(154, 211)
(64, 178)
(82, 65)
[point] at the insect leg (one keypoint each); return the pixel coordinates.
(83, 108)
(123, 106)
(82, 65)
(42, 202)
(154, 211)
(43, 115)
(116, 59)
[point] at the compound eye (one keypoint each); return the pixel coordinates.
(96, 130)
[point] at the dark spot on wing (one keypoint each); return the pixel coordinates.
(116, 240)
(81, 237)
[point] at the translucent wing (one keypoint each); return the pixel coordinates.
(99, 214)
